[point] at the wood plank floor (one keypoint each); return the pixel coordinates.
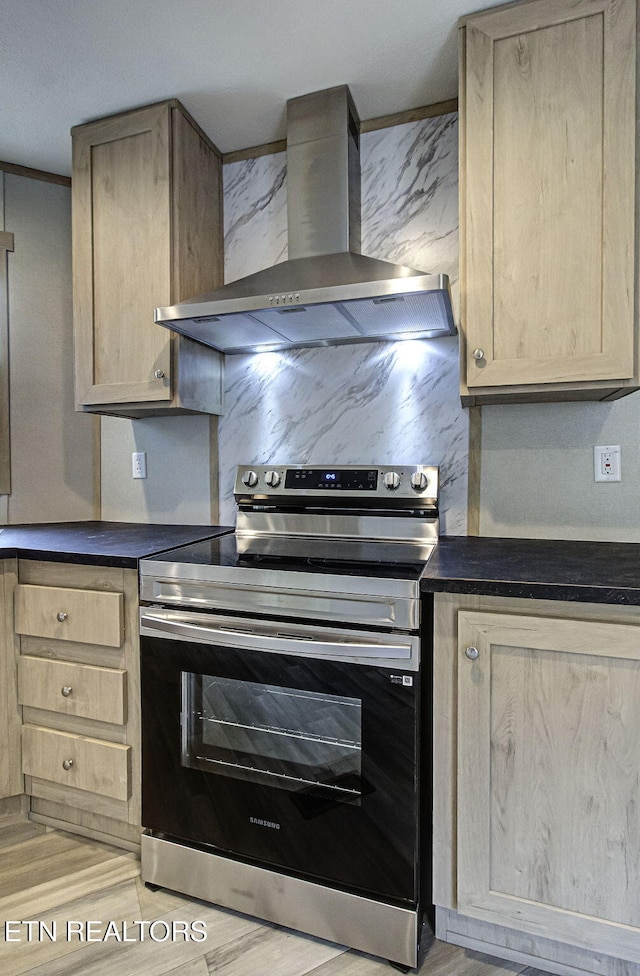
(57, 879)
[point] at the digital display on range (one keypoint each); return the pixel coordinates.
(309, 479)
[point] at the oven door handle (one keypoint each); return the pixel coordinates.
(276, 643)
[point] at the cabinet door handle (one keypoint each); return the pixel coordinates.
(61, 616)
(472, 653)
(478, 354)
(66, 690)
(67, 764)
(159, 374)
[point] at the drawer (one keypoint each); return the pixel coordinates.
(93, 765)
(86, 616)
(72, 689)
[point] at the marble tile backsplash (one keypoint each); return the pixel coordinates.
(388, 403)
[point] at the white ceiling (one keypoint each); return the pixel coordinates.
(232, 63)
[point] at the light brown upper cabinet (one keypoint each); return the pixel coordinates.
(147, 232)
(548, 147)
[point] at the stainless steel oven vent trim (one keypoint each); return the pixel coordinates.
(372, 926)
(358, 601)
(327, 292)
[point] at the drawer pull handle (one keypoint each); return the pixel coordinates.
(61, 616)
(67, 764)
(66, 690)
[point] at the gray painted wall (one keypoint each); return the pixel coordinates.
(51, 445)
(537, 471)
(177, 486)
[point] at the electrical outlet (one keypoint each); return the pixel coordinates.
(606, 463)
(139, 464)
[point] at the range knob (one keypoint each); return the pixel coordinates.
(419, 481)
(392, 480)
(272, 478)
(250, 479)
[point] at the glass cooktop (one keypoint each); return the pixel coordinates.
(386, 560)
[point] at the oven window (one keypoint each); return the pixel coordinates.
(289, 738)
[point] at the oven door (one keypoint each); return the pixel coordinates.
(267, 742)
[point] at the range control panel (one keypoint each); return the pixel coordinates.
(349, 481)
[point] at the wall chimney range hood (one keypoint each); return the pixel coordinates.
(326, 293)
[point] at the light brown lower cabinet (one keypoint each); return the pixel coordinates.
(537, 776)
(11, 779)
(77, 680)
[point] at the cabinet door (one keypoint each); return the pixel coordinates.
(548, 158)
(122, 257)
(548, 778)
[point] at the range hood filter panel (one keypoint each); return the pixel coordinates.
(240, 331)
(421, 312)
(300, 324)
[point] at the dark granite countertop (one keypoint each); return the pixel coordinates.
(99, 543)
(539, 569)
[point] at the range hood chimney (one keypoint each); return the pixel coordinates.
(327, 292)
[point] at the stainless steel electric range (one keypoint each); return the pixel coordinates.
(286, 706)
